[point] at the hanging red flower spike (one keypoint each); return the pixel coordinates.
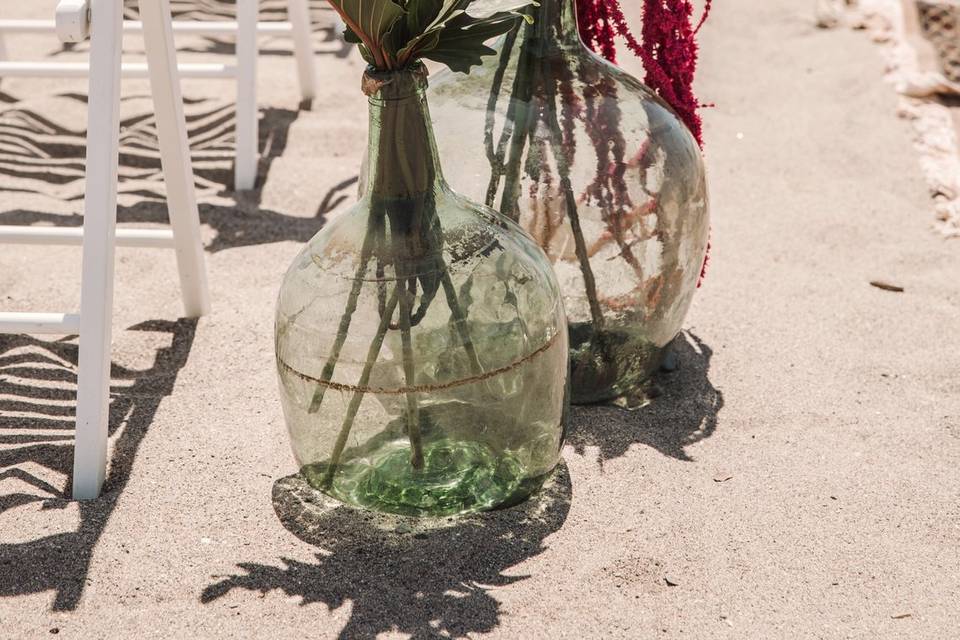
(668, 49)
(669, 52)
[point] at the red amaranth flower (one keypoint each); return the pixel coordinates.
(668, 50)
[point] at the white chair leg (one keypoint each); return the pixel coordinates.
(3, 53)
(245, 167)
(299, 13)
(175, 154)
(99, 226)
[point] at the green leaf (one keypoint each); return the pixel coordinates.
(461, 43)
(396, 39)
(419, 46)
(457, 14)
(350, 36)
(395, 33)
(420, 13)
(366, 55)
(369, 20)
(482, 9)
(450, 10)
(425, 19)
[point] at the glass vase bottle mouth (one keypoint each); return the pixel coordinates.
(399, 84)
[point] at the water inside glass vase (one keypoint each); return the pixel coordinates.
(442, 389)
(603, 175)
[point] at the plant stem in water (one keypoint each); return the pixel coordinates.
(413, 414)
(570, 202)
(372, 354)
(580, 246)
(495, 156)
(523, 123)
(459, 319)
(347, 317)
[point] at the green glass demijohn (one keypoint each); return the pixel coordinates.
(421, 340)
(604, 176)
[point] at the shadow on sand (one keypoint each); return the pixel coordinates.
(429, 580)
(47, 157)
(37, 412)
(684, 411)
(422, 578)
(269, 11)
(31, 141)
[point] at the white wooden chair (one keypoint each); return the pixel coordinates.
(103, 20)
(245, 28)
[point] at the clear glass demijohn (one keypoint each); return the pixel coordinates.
(604, 176)
(421, 341)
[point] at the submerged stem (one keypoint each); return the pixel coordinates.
(495, 155)
(372, 354)
(413, 412)
(403, 181)
(460, 319)
(519, 125)
(326, 375)
(533, 74)
(570, 203)
(580, 246)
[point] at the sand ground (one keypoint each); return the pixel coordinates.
(797, 478)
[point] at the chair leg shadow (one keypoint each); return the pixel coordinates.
(37, 412)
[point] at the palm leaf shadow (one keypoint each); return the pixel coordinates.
(399, 574)
(32, 373)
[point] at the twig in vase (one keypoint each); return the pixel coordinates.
(570, 202)
(413, 413)
(394, 37)
(372, 354)
(580, 246)
(521, 122)
(518, 125)
(459, 319)
(495, 156)
(366, 252)
(608, 188)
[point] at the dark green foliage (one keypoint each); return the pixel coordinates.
(394, 34)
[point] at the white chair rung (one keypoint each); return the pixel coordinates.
(128, 70)
(212, 28)
(59, 323)
(72, 25)
(103, 21)
(27, 26)
(69, 236)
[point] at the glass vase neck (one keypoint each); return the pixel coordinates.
(402, 154)
(555, 25)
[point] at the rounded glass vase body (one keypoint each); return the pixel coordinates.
(420, 338)
(603, 175)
